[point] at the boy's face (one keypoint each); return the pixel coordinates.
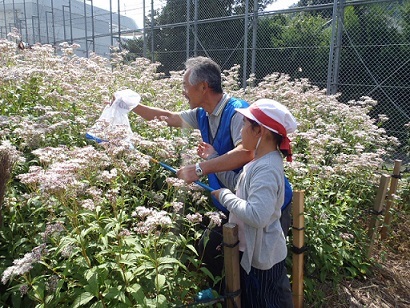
(249, 135)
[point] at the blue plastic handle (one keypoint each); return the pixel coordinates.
(174, 171)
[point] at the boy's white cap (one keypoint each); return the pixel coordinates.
(264, 110)
(275, 117)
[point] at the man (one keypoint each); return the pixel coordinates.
(203, 88)
(213, 113)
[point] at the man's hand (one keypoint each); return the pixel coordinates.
(188, 174)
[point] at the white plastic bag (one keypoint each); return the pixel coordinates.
(114, 117)
(126, 100)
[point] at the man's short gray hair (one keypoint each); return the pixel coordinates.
(204, 69)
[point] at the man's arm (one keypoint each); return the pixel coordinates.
(150, 113)
(231, 160)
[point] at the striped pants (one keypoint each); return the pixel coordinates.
(266, 288)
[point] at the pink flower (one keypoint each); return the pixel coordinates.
(24, 265)
(194, 218)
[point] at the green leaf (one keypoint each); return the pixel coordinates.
(159, 281)
(39, 291)
(129, 276)
(117, 294)
(161, 301)
(104, 240)
(82, 299)
(145, 266)
(168, 260)
(19, 242)
(126, 262)
(136, 292)
(352, 270)
(192, 248)
(92, 279)
(207, 272)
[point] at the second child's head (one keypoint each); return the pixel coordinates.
(270, 122)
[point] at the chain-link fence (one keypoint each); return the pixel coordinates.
(357, 48)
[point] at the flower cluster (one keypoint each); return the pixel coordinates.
(25, 264)
(52, 230)
(215, 218)
(150, 220)
(194, 218)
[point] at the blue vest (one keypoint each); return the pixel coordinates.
(288, 194)
(222, 142)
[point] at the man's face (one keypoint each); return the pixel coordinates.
(193, 93)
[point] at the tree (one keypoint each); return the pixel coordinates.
(218, 39)
(135, 48)
(325, 13)
(374, 50)
(297, 46)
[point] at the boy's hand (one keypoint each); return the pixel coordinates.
(217, 192)
(205, 150)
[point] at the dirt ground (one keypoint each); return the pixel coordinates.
(389, 283)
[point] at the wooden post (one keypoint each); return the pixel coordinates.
(298, 243)
(231, 261)
(393, 188)
(377, 210)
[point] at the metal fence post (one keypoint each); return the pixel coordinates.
(245, 43)
(188, 2)
(335, 46)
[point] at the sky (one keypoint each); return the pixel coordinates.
(134, 8)
(281, 4)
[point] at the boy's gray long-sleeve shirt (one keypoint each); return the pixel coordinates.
(260, 195)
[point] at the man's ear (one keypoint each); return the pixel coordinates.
(204, 86)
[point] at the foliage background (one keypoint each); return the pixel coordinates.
(95, 225)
